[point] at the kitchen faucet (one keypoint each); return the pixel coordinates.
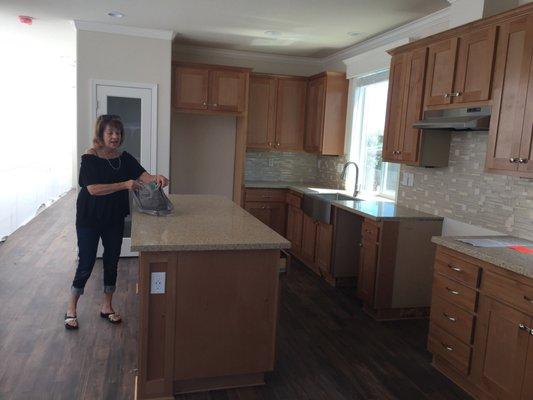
(343, 176)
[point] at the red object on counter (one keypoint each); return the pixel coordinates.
(25, 19)
(522, 249)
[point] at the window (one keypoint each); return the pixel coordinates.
(368, 122)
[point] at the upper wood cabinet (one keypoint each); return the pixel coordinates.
(404, 106)
(327, 95)
(511, 125)
(276, 118)
(460, 68)
(209, 89)
(440, 73)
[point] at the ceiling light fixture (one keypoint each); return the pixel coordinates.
(273, 33)
(115, 14)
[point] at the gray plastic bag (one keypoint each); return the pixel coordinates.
(151, 199)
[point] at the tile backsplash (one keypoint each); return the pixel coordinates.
(292, 167)
(464, 192)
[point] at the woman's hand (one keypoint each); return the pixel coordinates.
(161, 181)
(131, 185)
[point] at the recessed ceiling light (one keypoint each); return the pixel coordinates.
(354, 33)
(115, 14)
(273, 33)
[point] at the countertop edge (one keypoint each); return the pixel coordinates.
(376, 218)
(212, 247)
(477, 252)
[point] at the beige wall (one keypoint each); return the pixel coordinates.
(130, 59)
(203, 153)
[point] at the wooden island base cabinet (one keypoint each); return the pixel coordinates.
(211, 323)
(480, 327)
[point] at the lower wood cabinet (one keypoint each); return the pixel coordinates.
(368, 264)
(317, 241)
(308, 241)
(268, 206)
(294, 228)
(485, 344)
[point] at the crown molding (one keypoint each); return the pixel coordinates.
(124, 30)
(411, 29)
(244, 55)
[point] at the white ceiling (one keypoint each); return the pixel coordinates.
(312, 28)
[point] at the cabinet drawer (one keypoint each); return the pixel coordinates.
(508, 290)
(457, 268)
(454, 292)
(294, 200)
(264, 195)
(452, 319)
(450, 348)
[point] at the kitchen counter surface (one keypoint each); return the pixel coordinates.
(502, 257)
(381, 210)
(202, 222)
(303, 188)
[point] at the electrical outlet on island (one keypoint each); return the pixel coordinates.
(157, 283)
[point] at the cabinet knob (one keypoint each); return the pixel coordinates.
(360, 244)
(454, 268)
(449, 317)
(455, 94)
(269, 144)
(277, 144)
(523, 160)
(204, 103)
(523, 327)
(215, 105)
(446, 346)
(513, 160)
(451, 291)
(446, 95)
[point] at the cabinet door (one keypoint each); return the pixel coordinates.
(294, 228)
(474, 66)
(368, 263)
(441, 71)
(413, 102)
(323, 247)
(511, 75)
(527, 389)
(290, 114)
(261, 211)
(308, 240)
(227, 90)
(525, 165)
(190, 88)
(315, 115)
(395, 97)
(261, 112)
(500, 349)
(278, 217)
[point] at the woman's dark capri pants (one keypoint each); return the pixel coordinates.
(88, 245)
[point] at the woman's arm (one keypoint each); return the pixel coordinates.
(101, 189)
(159, 179)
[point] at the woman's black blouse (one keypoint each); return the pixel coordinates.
(97, 211)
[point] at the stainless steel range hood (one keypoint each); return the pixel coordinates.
(456, 119)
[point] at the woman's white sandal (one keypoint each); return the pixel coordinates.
(113, 317)
(68, 320)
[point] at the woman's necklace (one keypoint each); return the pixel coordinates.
(111, 165)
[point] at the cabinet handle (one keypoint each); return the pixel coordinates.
(204, 103)
(455, 94)
(360, 244)
(523, 327)
(454, 268)
(513, 160)
(453, 319)
(269, 144)
(454, 292)
(523, 160)
(447, 347)
(446, 95)
(528, 299)
(277, 144)
(215, 105)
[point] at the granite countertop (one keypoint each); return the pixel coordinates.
(503, 257)
(202, 222)
(383, 211)
(303, 188)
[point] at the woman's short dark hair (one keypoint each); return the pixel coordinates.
(104, 121)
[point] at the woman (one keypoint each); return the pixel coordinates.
(106, 175)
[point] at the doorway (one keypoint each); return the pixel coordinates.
(136, 104)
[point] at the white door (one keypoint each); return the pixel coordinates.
(134, 106)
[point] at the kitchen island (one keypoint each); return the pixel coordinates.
(208, 289)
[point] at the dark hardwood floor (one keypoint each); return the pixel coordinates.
(327, 347)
